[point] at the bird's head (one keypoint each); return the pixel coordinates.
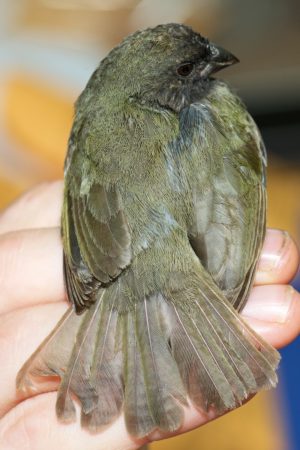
(169, 65)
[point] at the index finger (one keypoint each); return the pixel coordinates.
(39, 207)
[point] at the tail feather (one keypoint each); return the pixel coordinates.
(149, 358)
(266, 358)
(203, 369)
(221, 360)
(106, 370)
(153, 387)
(76, 378)
(50, 359)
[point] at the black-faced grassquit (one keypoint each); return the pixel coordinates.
(162, 224)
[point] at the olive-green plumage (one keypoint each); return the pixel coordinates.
(162, 224)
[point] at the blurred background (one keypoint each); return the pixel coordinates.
(48, 50)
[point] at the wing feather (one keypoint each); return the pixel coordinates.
(97, 241)
(228, 226)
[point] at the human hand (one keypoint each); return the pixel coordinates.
(32, 299)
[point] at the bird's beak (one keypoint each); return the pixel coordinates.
(219, 59)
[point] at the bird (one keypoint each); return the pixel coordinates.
(163, 220)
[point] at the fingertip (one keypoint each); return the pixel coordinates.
(279, 259)
(274, 313)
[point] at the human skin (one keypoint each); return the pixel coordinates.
(32, 298)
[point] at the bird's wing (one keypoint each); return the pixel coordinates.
(229, 221)
(96, 235)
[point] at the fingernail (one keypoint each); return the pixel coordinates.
(274, 306)
(274, 248)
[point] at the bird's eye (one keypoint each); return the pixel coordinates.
(185, 69)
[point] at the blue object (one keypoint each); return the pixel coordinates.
(290, 388)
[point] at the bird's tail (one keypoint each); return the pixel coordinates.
(184, 344)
